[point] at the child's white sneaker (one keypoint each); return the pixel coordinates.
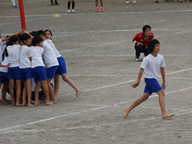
(68, 11)
(73, 11)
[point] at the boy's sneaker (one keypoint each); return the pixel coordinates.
(102, 9)
(156, 1)
(134, 1)
(15, 6)
(97, 9)
(68, 11)
(137, 59)
(83, 0)
(73, 11)
(127, 2)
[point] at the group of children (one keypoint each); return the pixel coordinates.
(27, 58)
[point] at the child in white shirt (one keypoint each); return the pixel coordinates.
(152, 64)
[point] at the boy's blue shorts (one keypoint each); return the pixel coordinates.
(39, 73)
(26, 73)
(14, 73)
(62, 66)
(3, 77)
(152, 86)
(51, 71)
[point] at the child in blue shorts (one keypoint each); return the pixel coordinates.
(25, 68)
(51, 63)
(61, 69)
(13, 70)
(152, 64)
(38, 70)
(3, 78)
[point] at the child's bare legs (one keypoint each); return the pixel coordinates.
(71, 83)
(96, 3)
(138, 101)
(56, 84)
(37, 87)
(101, 2)
(11, 89)
(46, 91)
(4, 91)
(18, 91)
(161, 94)
(24, 93)
(51, 92)
(28, 85)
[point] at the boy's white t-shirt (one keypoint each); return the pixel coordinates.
(36, 54)
(14, 55)
(54, 48)
(2, 49)
(25, 53)
(152, 65)
(5, 62)
(49, 56)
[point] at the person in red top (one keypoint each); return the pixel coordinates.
(142, 39)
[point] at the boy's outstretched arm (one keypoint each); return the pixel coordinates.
(139, 78)
(17, 33)
(163, 77)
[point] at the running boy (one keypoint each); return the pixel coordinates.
(25, 68)
(51, 63)
(152, 64)
(38, 69)
(61, 69)
(142, 39)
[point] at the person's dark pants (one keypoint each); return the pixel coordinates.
(141, 49)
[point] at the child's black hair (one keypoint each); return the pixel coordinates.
(37, 40)
(151, 44)
(40, 32)
(25, 37)
(33, 33)
(13, 39)
(48, 31)
(146, 27)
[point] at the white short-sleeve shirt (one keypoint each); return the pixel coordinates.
(152, 65)
(49, 56)
(54, 48)
(5, 62)
(14, 55)
(36, 54)
(25, 53)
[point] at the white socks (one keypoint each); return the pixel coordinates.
(13, 2)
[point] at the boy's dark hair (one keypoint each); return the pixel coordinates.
(40, 32)
(151, 44)
(33, 33)
(36, 40)
(25, 37)
(13, 39)
(48, 31)
(146, 27)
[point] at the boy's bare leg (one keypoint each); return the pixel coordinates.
(138, 101)
(24, 93)
(72, 84)
(161, 94)
(46, 92)
(96, 3)
(37, 87)
(18, 91)
(28, 85)
(56, 84)
(101, 2)
(51, 92)
(11, 90)
(4, 91)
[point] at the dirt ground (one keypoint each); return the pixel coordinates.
(99, 55)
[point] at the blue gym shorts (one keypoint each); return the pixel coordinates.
(14, 73)
(3, 77)
(152, 86)
(62, 66)
(39, 73)
(26, 73)
(51, 71)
